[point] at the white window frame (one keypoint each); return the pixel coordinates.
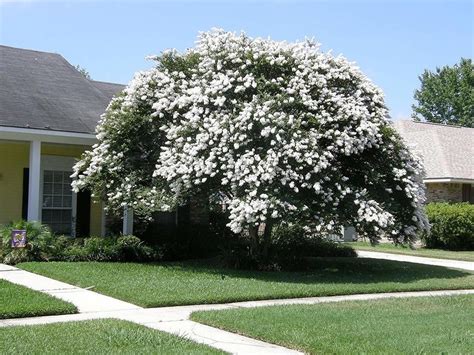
(58, 163)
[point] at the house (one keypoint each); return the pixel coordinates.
(448, 156)
(48, 114)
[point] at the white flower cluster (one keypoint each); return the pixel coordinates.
(283, 130)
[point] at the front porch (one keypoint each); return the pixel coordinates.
(35, 183)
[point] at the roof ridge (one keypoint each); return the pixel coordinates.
(437, 124)
(105, 82)
(30, 50)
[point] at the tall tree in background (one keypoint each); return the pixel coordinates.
(83, 71)
(447, 95)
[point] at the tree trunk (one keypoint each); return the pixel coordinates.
(253, 233)
(267, 236)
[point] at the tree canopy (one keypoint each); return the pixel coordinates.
(447, 95)
(281, 131)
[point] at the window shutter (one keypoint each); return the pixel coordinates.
(24, 198)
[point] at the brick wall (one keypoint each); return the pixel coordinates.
(444, 192)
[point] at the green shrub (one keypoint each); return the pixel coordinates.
(295, 242)
(182, 241)
(291, 248)
(92, 249)
(41, 243)
(452, 226)
(122, 248)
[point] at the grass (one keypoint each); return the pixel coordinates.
(396, 326)
(18, 301)
(400, 249)
(95, 337)
(166, 284)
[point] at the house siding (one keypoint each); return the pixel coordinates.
(62, 150)
(96, 218)
(14, 157)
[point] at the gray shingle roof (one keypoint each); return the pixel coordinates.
(108, 89)
(447, 151)
(42, 90)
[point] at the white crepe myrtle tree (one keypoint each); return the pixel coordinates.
(282, 131)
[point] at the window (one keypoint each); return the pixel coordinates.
(57, 201)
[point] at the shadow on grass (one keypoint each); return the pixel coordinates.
(329, 270)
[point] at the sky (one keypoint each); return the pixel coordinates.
(393, 42)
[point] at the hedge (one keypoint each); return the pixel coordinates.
(452, 226)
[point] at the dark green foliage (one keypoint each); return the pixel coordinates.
(452, 226)
(447, 95)
(294, 241)
(181, 242)
(290, 248)
(45, 246)
(42, 244)
(123, 248)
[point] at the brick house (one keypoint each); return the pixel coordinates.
(448, 156)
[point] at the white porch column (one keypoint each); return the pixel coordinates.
(34, 181)
(127, 228)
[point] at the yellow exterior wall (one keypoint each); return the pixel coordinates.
(62, 150)
(14, 157)
(96, 218)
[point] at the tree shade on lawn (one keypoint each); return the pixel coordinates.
(398, 326)
(18, 301)
(166, 284)
(95, 337)
(405, 250)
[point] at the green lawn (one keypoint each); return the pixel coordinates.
(430, 253)
(95, 337)
(165, 284)
(18, 301)
(398, 326)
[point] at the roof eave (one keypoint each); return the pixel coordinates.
(448, 180)
(47, 136)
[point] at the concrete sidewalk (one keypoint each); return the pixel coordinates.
(174, 320)
(454, 264)
(84, 300)
(93, 305)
